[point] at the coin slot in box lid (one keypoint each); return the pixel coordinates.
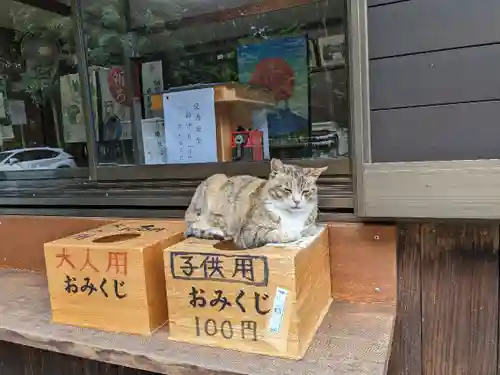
(227, 245)
(119, 237)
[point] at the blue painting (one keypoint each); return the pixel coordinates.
(280, 65)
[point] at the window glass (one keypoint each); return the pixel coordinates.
(40, 101)
(236, 80)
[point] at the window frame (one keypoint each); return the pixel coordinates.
(149, 186)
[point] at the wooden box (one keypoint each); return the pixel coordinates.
(269, 300)
(112, 277)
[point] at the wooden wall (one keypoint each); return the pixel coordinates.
(22, 237)
(434, 79)
(23, 360)
(447, 311)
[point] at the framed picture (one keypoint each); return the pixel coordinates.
(313, 53)
(331, 50)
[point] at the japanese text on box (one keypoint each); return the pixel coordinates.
(243, 269)
(238, 309)
(91, 283)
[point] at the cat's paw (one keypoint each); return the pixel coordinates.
(290, 236)
(189, 232)
(277, 236)
(309, 231)
(215, 234)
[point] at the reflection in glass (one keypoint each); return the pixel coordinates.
(41, 115)
(277, 78)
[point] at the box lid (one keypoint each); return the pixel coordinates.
(130, 234)
(271, 250)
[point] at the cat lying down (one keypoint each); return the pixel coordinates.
(254, 212)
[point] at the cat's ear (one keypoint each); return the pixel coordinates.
(315, 172)
(276, 166)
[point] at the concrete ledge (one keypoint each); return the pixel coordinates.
(353, 339)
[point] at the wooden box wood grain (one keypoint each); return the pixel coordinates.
(112, 277)
(269, 300)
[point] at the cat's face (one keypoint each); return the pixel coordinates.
(293, 188)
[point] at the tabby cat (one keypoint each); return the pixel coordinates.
(254, 212)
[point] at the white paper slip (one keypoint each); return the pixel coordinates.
(190, 128)
(278, 311)
(153, 137)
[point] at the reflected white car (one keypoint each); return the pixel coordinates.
(35, 158)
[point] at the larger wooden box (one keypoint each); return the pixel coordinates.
(269, 300)
(112, 277)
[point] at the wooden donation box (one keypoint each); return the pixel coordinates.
(269, 300)
(112, 278)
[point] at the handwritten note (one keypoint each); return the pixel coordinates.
(153, 138)
(190, 130)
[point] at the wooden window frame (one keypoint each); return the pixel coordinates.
(434, 189)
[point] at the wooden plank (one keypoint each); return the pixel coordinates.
(406, 349)
(426, 25)
(467, 131)
(450, 76)
(252, 9)
(231, 93)
(363, 262)
(451, 189)
(353, 339)
(459, 298)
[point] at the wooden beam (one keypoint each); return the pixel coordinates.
(265, 6)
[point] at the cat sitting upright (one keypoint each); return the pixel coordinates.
(254, 212)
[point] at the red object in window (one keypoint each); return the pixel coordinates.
(276, 75)
(116, 83)
(247, 145)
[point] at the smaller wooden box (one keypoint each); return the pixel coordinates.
(269, 300)
(112, 277)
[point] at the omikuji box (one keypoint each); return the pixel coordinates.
(269, 300)
(112, 277)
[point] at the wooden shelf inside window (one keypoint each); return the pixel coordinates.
(353, 339)
(234, 104)
(233, 93)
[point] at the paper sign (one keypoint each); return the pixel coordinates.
(7, 132)
(152, 82)
(278, 310)
(190, 130)
(259, 118)
(17, 111)
(114, 102)
(153, 138)
(3, 114)
(72, 109)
